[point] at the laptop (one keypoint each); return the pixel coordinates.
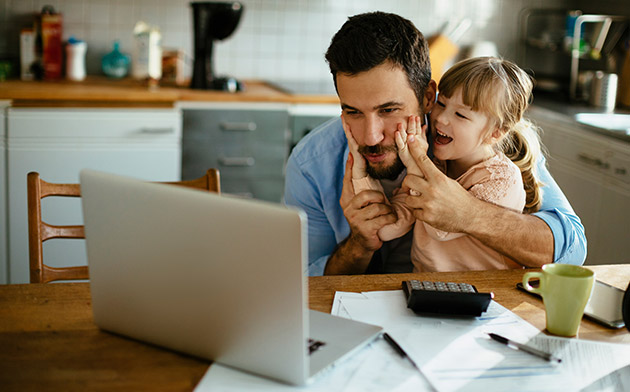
(213, 276)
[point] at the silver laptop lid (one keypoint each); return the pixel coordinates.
(213, 276)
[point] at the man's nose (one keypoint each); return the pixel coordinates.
(374, 132)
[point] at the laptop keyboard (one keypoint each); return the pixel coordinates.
(314, 345)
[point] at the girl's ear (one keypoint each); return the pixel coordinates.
(496, 135)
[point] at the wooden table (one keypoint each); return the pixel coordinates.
(48, 340)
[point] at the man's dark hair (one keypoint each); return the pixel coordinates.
(368, 40)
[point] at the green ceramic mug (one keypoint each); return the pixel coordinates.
(565, 290)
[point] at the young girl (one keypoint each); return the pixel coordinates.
(481, 140)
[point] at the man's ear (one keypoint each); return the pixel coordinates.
(429, 97)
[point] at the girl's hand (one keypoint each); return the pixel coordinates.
(358, 165)
(403, 134)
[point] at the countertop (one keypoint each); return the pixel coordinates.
(556, 109)
(100, 91)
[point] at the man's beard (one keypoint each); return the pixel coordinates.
(379, 172)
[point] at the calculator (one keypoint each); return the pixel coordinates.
(446, 298)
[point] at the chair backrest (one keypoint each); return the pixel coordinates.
(40, 231)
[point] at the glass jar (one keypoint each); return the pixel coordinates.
(115, 64)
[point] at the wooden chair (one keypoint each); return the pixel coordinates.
(40, 231)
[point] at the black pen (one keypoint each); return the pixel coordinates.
(404, 354)
(399, 349)
(530, 350)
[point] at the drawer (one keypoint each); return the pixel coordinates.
(580, 151)
(132, 124)
(236, 126)
(242, 144)
(234, 161)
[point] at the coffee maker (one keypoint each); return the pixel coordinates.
(212, 21)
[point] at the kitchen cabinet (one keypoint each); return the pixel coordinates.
(3, 196)
(594, 173)
(59, 142)
(247, 142)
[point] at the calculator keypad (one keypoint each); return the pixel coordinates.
(442, 286)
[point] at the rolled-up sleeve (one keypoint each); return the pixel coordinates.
(570, 245)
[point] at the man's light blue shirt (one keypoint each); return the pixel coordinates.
(314, 179)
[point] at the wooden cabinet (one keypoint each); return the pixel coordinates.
(594, 173)
(248, 143)
(58, 143)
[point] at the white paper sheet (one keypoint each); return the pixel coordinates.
(457, 354)
(454, 353)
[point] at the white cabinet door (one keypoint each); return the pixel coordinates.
(585, 194)
(58, 143)
(614, 243)
(615, 215)
(593, 171)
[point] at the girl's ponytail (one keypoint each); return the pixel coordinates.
(522, 146)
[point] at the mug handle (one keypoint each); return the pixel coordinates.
(529, 276)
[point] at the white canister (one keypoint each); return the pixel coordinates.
(604, 90)
(75, 60)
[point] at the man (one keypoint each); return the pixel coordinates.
(380, 65)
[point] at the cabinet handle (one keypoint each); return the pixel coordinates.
(157, 131)
(237, 161)
(238, 126)
(244, 195)
(621, 171)
(592, 161)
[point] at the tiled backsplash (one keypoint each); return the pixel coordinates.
(276, 39)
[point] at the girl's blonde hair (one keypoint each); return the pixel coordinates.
(503, 91)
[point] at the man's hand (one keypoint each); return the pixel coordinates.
(366, 213)
(442, 202)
